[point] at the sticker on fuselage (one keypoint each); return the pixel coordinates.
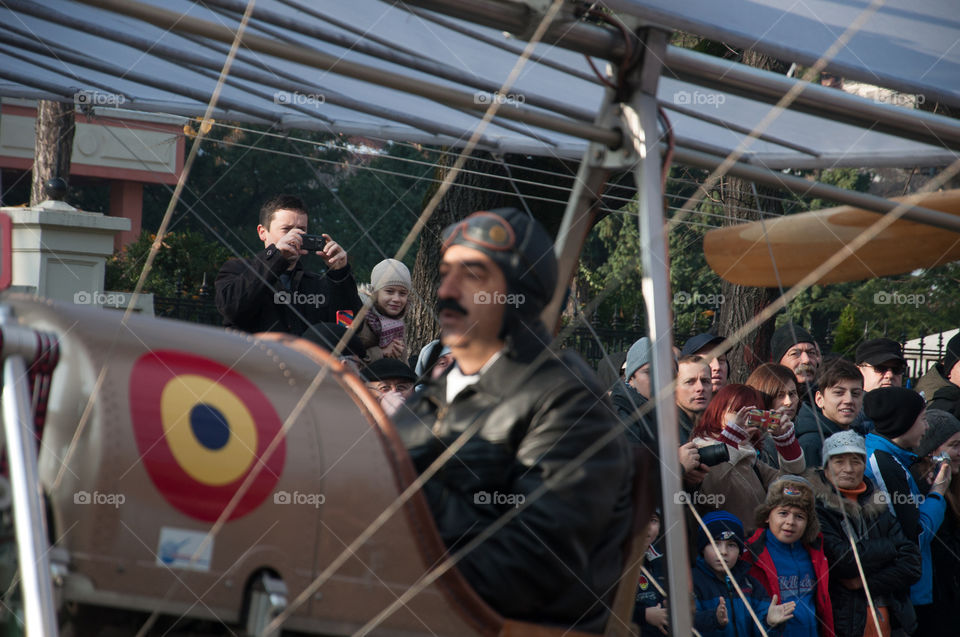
(181, 548)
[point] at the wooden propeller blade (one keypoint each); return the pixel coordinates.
(794, 245)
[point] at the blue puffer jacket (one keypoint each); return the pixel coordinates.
(920, 516)
(708, 588)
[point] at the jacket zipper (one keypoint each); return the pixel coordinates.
(731, 618)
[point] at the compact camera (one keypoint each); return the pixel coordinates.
(312, 242)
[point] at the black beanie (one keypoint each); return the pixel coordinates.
(893, 410)
(952, 356)
(787, 336)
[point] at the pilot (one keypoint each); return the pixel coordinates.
(537, 435)
(272, 291)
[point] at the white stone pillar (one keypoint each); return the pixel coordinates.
(60, 252)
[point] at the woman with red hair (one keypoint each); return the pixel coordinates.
(739, 484)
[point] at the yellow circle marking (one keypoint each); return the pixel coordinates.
(215, 467)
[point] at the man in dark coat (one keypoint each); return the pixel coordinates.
(272, 291)
(536, 431)
(940, 386)
(847, 502)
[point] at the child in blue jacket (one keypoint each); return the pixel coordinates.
(720, 610)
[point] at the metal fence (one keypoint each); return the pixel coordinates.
(590, 342)
(198, 309)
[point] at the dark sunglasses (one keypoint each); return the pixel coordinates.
(898, 370)
(485, 229)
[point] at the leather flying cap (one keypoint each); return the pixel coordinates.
(879, 350)
(521, 248)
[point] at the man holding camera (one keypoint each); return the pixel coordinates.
(272, 291)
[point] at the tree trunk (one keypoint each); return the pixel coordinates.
(459, 202)
(53, 146)
(740, 303)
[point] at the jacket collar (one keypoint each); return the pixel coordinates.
(876, 442)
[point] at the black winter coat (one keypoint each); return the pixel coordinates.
(629, 403)
(559, 559)
(251, 297)
(890, 561)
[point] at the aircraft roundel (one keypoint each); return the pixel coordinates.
(202, 429)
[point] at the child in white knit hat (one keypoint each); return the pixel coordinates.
(383, 330)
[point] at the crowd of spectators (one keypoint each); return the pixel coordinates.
(822, 491)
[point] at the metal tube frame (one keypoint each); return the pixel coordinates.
(28, 511)
(640, 117)
(863, 200)
(179, 23)
(711, 71)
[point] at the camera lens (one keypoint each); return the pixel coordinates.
(713, 455)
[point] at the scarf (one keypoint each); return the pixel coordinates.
(385, 328)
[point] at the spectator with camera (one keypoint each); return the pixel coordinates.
(899, 419)
(272, 291)
(738, 483)
(848, 508)
(838, 402)
(778, 386)
(941, 444)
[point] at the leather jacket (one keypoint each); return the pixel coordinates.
(558, 561)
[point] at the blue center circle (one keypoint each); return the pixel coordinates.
(209, 426)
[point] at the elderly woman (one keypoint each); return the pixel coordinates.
(739, 484)
(848, 504)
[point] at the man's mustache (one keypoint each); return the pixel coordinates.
(450, 304)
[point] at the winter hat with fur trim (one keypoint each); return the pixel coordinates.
(791, 491)
(390, 272)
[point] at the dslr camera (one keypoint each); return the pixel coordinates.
(712, 455)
